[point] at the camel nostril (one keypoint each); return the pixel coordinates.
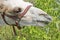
(17, 10)
(50, 18)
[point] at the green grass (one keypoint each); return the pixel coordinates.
(49, 32)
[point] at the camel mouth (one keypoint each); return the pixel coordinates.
(45, 21)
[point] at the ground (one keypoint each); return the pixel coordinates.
(49, 32)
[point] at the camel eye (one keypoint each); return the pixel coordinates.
(17, 10)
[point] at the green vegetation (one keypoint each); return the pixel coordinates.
(49, 32)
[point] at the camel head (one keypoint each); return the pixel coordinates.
(34, 16)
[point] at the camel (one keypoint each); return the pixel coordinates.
(22, 13)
